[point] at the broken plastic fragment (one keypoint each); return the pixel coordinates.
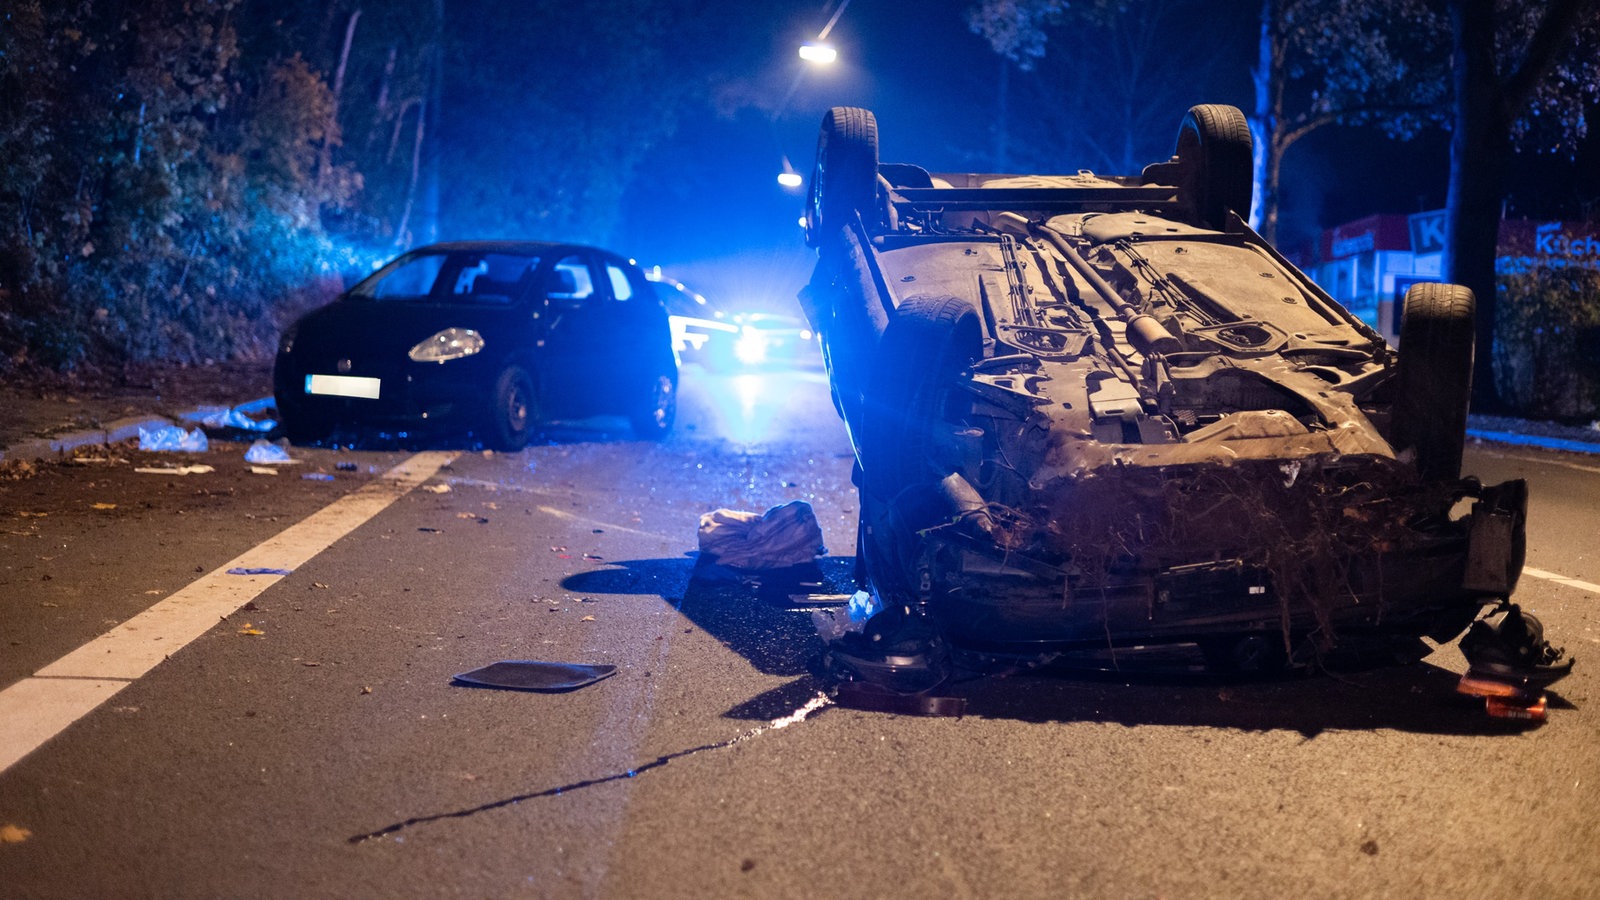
(224, 417)
(175, 470)
(173, 438)
(257, 570)
(251, 630)
(533, 675)
(316, 476)
(437, 488)
(264, 452)
(832, 624)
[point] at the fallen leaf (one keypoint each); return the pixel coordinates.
(13, 834)
(152, 593)
(437, 488)
(102, 506)
(366, 690)
(466, 515)
(587, 619)
(32, 515)
(251, 630)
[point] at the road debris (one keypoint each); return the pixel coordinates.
(225, 417)
(173, 439)
(175, 470)
(535, 675)
(263, 452)
(785, 535)
(257, 570)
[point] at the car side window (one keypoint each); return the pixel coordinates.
(570, 279)
(496, 278)
(621, 287)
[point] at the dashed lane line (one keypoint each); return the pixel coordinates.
(36, 709)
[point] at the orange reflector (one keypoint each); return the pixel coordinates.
(1515, 709)
(1480, 687)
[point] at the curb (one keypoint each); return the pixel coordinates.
(1533, 440)
(118, 430)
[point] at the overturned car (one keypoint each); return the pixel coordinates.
(1096, 411)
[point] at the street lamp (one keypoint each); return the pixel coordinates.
(818, 53)
(789, 178)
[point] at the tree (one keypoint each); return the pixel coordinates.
(1347, 62)
(1102, 87)
(1524, 72)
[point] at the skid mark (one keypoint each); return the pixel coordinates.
(820, 701)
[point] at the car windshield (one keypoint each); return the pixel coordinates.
(453, 277)
(680, 301)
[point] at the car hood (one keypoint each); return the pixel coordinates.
(366, 328)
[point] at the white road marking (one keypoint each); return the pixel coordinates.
(36, 709)
(609, 526)
(1542, 461)
(1561, 579)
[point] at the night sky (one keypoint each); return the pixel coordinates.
(707, 206)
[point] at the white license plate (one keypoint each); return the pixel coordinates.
(343, 386)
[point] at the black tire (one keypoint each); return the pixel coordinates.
(928, 341)
(298, 425)
(1435, 377)
(657, 409)
(515, 410)
(1252, 655)
(844, 181)
(1214, 152)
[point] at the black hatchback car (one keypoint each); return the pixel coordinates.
(490, 337)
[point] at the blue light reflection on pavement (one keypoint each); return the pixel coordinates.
(763, 407)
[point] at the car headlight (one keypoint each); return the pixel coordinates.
(751, 347)
(451, 343)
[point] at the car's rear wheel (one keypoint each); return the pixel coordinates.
(927, 343)
(1435, 377)
(515, 410)
(845, 179)
(1215, 154)
(655, 412)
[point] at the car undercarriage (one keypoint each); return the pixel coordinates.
(1100, 411)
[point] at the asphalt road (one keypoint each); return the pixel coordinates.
(329, 755)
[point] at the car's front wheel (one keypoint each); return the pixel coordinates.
(514, 411)
(924, 348)
(656, 410)
(298, 424)
(845, 179)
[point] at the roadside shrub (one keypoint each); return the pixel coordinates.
(1547, 342)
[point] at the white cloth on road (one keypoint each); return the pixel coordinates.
(786, 535)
